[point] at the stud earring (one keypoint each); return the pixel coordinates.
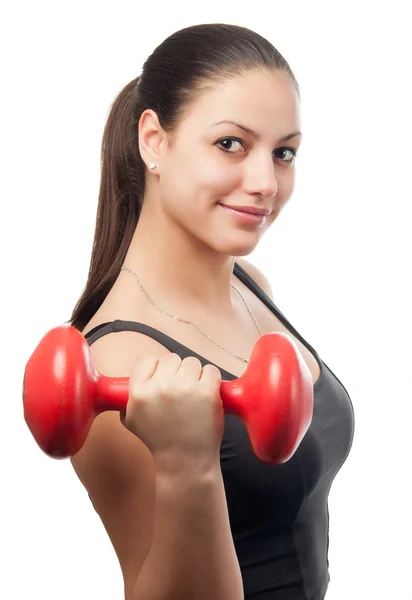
(152, 165)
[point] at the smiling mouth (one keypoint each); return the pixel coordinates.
(245, 218)
(251, 210)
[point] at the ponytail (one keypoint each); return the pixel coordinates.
(120, 201)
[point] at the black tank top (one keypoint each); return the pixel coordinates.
(279, 515)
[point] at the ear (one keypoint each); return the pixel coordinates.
(152, 137)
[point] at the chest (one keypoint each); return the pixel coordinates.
(238, 339)
(221, 341)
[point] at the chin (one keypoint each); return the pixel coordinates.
(238, 249)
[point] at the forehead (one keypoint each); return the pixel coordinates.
(258, 99)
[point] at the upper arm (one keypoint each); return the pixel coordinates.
(257, 275)
(115, 467)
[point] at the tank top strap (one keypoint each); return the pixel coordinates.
(172, 345)
(119, 325)
(257, 290)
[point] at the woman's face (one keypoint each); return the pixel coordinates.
(213, 163)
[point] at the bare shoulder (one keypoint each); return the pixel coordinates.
(257, 275)
(114, 354)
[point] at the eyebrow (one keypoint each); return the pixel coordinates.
(256, 135)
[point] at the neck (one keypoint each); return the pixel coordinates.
(179, 271)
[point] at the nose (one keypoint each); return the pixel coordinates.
(260, 177)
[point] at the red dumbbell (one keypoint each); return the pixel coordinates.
(63, 393)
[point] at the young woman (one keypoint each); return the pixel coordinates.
(206, 136)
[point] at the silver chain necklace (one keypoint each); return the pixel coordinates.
(192, 322)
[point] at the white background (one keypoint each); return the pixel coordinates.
(337, 259)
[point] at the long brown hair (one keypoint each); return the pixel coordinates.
(173, 76)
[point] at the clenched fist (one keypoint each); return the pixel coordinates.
(175, 408)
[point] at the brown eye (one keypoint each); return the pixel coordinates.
(293, 151)
(227, 144)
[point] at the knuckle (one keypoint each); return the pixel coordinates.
(136, 392)
(212, 369)
(163, 389)
(204, 394)
(192, 361)
(187, 388)
(134, 385)
(172, 357)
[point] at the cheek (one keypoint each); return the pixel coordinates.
(209, 174)
(286, 185)
(290, 181)
(214, 178)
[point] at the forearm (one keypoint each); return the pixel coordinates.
(192, 556)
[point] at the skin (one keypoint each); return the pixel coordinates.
(185, 244)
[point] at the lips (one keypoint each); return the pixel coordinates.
(251, 210)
